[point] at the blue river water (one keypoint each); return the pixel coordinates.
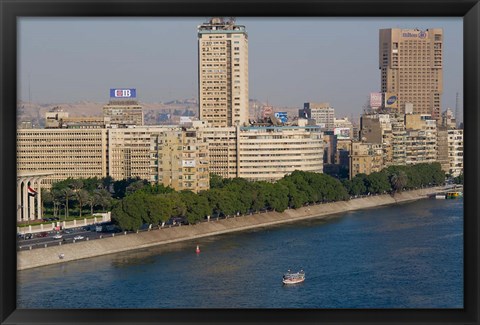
(402, 256)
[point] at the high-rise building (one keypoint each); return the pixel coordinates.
(223, 73)
(411, 67)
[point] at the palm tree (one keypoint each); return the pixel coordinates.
(399, 180)
(82, 197)
(67, 194)
(90, 201)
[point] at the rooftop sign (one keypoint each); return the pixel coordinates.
(123, 93)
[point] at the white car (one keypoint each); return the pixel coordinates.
(78, 237)
(57, 236)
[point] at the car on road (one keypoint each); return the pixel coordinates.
(42, 234)
(78, 237)
(57, 236)
(67, 231)
(28, 236)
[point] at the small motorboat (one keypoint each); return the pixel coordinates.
(293, 277)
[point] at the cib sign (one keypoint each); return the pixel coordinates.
(123, 93)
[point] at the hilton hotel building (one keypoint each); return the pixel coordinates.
(410, 61)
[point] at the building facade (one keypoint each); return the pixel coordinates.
(264, 153)
(322, 113)
(455, 151)
(123, 113)
(365, 158)
(171, 155)
(411, 64)
(223, 73)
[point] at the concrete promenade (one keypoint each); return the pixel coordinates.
(120, 242)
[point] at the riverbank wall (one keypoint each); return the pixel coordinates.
(121, 242)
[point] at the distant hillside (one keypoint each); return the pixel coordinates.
(154, 112)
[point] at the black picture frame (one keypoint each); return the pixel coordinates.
(11, 10)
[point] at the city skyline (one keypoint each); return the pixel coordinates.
(72, 60)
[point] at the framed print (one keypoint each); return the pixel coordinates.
(169, 161)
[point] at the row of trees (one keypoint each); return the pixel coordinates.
(396, 179)
(227, 197)
(71, 196)
(135, 202)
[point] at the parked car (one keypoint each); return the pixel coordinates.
(78, 237)
(67, 231)
(42, 234)
(57, 236)
(28, 236)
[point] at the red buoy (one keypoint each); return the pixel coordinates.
(197, 250)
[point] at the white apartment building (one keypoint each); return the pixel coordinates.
(264, 153)
(455, 151)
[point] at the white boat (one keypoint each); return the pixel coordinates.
(293, 278)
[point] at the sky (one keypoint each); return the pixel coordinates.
(291, 60)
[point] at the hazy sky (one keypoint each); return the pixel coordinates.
(291, 60)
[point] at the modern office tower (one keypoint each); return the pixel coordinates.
(223, 73)
(411, 67)
(322, 113)
(365, 158)
(455, 151)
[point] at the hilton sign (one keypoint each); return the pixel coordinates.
(419, 34)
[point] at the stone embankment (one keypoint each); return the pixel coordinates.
(120, 242)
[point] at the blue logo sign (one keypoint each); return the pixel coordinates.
(422, 34)
(123, 93)
(391, 100)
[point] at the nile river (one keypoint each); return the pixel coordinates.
(403, 256)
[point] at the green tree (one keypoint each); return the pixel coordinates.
(398, 180)
(197, 207)
(82, 198)
(216, 181)
(377, 183)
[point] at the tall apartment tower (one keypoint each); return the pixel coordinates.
(223, 72)
(411, 67)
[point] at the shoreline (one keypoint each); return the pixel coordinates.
(122, 243)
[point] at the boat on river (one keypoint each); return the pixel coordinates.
(454, 195)
(293, 277)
